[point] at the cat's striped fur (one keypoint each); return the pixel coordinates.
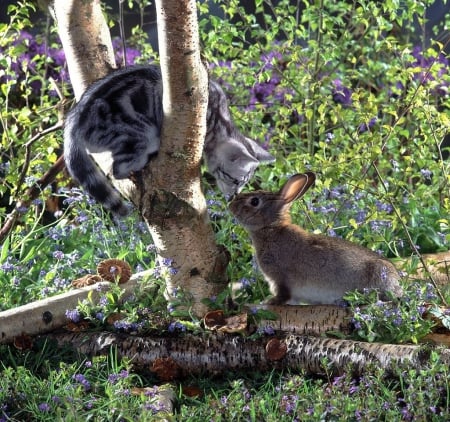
(122, 113)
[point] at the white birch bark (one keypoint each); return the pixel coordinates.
(86, 40)
(171, 200)
(213, 354)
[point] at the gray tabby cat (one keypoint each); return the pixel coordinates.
(122, 113)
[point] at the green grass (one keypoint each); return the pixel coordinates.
(406, 395)
(49, 384)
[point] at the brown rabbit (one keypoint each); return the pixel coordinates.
(301, 267)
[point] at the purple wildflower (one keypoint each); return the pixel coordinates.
(356, 324)
(81, 379)
(360, 216)
(245, 282)
(426, 174)
(112, 378)
(131, 54)
(289, 403)
(268, 330)
(7, 266)
(103, 301)
(331, 232)
(44, 407)
(127, 326)
(379, 225)
(426, 67)
(73, 315)
(341, 94)
(25, 62)
(387, 208)
(398, 320)
(364, 127)
(56, 399)
(430, 292)
(176, 326)
(124, 374)
(89, 404)
(58, 255)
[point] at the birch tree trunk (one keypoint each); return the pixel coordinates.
(85, 38)
(171, 200)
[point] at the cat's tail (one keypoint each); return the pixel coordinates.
(85, 171)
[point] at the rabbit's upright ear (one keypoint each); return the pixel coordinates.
(296, 186)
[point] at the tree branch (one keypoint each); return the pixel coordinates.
(36, 189)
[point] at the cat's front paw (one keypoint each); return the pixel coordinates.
(121, 171)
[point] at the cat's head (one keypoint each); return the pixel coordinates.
(234, 163)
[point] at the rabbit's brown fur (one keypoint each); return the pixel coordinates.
(302, 267)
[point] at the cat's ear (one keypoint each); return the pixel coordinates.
(242, 159)
(258, 151)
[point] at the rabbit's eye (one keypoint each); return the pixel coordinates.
(254, 202)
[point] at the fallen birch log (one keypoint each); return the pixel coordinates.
(49, 314)
(306, 319)
(211, 354)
